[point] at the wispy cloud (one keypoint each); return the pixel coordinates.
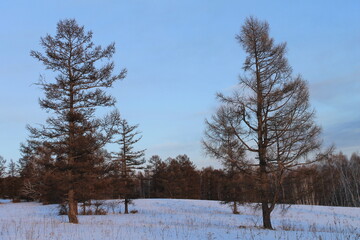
(345, 136)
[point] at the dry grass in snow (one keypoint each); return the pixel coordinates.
(178, 219)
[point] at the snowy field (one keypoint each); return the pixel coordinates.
(178, 219)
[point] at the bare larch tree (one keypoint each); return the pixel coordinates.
(73, 131)
(268, 115)
(127, 160)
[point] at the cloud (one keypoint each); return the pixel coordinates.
(345, 136)
(338, 91)
(337, 102)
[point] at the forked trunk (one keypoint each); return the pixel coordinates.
(72, 207)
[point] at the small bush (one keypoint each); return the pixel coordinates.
(63, 209)
(112, 205)
(88, 212)
(100, 212)
(134, 211)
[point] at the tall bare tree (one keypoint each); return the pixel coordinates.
(268, 115)
(73, 131)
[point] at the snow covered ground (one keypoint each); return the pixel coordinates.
(178, 219)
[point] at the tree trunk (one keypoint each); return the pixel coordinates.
(76, 208)
(235, 211)
(126, 201)
(264, 188)
(84, 208)
(72, 207)
(266, 211)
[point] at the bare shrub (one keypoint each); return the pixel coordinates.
(30, 190)
(89, 212)
(63, 209)
(134, 211)
(98, 207)
(112, 205)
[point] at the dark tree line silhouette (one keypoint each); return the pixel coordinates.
(332, 182)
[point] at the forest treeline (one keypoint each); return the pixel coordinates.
(334, 182)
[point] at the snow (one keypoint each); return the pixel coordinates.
(178, 219)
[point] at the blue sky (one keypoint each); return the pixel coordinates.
(178, 55)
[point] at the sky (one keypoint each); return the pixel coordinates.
(179, 54)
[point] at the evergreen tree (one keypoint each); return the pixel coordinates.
(2, 174)
(156, 171)
(127, 160)
(73, 133)
(2, 166)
